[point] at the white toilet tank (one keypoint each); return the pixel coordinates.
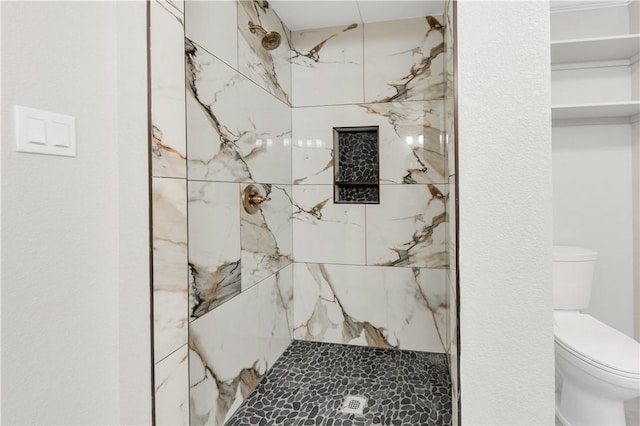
(572, 277)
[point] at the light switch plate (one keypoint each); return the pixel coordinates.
(44, 132)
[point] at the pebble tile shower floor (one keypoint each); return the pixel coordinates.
(309, 382)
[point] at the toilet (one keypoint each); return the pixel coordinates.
(597, 367)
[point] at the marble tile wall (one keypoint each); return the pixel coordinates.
(169, 215)
(450, 126)
(223, 284)
(371, 274)
(233, 347)
(370, 306)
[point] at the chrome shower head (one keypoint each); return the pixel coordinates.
(270, 40)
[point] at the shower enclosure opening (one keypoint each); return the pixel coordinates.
(295, 282)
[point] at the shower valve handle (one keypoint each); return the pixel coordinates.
(252, 199)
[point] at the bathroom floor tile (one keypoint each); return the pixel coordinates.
(309, 382)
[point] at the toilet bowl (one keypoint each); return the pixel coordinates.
(597, 367)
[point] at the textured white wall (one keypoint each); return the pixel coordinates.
(592, 207)
(70, 225)
(590, 161)
(504, 154)
(133, 208)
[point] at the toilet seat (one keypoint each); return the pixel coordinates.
(598, 344)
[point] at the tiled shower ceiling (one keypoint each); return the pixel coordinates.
(307, 14)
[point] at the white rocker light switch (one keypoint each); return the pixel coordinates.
(44, 132)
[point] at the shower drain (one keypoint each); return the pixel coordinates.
(353, 404)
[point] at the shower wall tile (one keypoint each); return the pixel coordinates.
(172, 389)
(410, 142)
(403, 308)
(449, 49)
(214, 245)
(284, 278)
(408, 227)
(176, 4)
(411, 148)
(326, 66)
(404, 60)
(449, 41)
(170, 278)
(452, 285)
(325, 232)
(450, 135)
(270, 69)
(213, 25)
(236, 131)
(266, 236)
(168, 142)
(251, 332)
(312, 140)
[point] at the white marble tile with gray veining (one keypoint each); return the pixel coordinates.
(170, 269)
(284, 279)
(404, 60)
(212, 24)
(172, 389)
(403, 308)
(214, 245)
(410, 140)
(236, 131)
(168, 142)
(269, 69)
(326, 66)
(178, 5)
(231, 348)
(266, 235)
(450, 136)
(449, 49)
(407, 228)
(325, 232)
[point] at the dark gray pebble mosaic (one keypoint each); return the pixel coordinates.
(308, 384)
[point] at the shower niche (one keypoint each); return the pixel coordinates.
(356, 165)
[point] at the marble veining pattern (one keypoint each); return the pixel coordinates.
(176, 4)
(268, 68)
(170, 294)
(236, 131)
(214, 245)
(408, 228)
(251, 332)
(326, 232)
(410, 137)
(452, 294)
(404, 60)
(384, 307)
(449, 118)
(449, 46)
(172, 389)
(168, 143)
(326, 66)
(266, 236)
(213, 25)
(308, 384)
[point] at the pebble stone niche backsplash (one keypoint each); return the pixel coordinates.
(357, 165)
(308, 384)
